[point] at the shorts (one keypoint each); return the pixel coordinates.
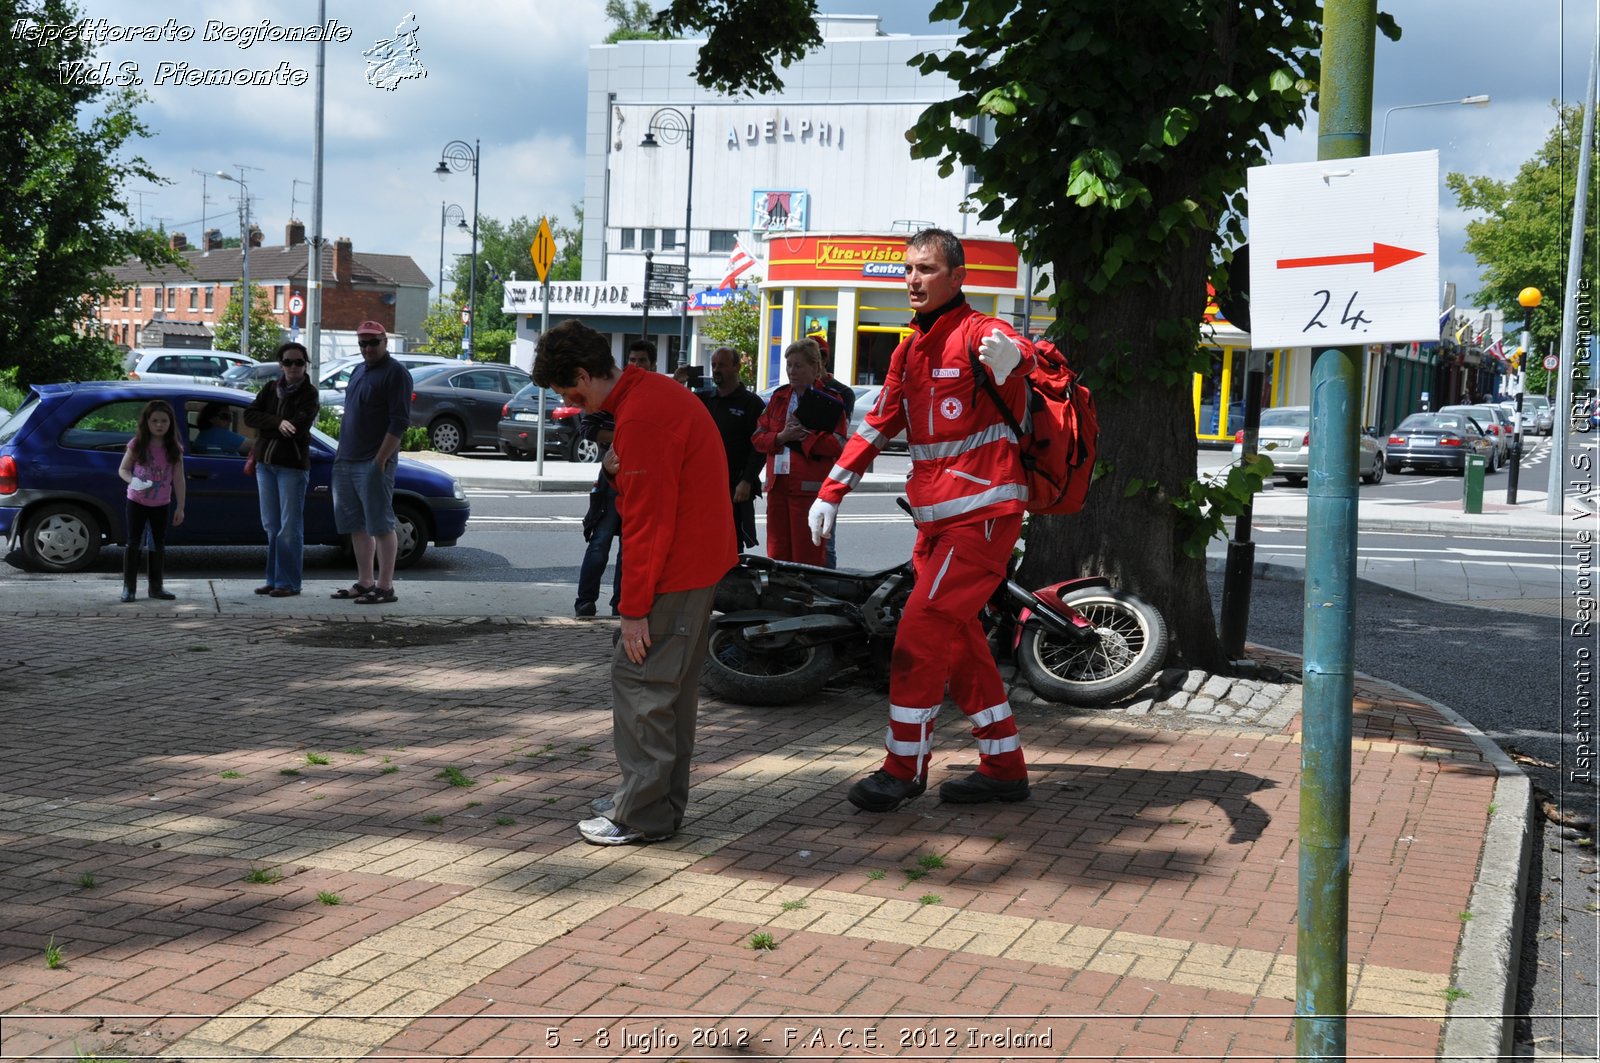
(363, 496)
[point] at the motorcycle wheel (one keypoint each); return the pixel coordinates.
(1132, 646)
(744, 674)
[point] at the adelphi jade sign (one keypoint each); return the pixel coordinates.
(867, 259)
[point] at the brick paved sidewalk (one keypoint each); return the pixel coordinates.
(405, 794)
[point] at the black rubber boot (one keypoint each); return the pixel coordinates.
(977, 789)
(130, 572)
(156, 590)
(882, 792)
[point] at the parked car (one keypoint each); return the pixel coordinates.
(182, 367)
(460, 404)
(335, 377)
(61, 499)
(1537, 416)
(866, 399)
(252, 377)
(1494, 423)
(1437, 441)
(1285, 437)
(519, 428)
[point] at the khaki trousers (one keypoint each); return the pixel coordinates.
(653, 713)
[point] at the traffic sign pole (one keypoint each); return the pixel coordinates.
(543, 253)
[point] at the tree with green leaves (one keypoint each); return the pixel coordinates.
(503, 253)
(64, 219)
(631, 21)
(737, 324)
(265, 332)
(1111, 142)
(1521, 238)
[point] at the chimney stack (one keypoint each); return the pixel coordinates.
(213, 239)
(255, 236)
(179, 242)
(344, 260)
(295, 233)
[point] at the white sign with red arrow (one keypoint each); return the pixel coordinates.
(1345, 252)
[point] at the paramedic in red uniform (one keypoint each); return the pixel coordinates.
(798, 458)
(968, 491)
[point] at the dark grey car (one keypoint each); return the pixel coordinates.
(460, 405)
(1437, 441)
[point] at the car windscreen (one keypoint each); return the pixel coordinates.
(1291, 416)
(14, 423)
(1433, 423)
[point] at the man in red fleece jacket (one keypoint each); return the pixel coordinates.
(670, 472)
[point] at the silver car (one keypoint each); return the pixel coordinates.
(1285, 437)
(1537, 416)
(1494, 423)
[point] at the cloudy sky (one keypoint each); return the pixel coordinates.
(512, 74)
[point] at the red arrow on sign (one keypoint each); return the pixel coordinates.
(1382, 257)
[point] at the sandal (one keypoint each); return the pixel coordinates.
(378, 596)
(355, 590)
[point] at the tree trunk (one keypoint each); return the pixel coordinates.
(1147, 432)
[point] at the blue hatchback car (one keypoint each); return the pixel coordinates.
(61, 499)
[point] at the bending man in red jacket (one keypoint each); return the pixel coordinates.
(671, 475)
(968, 492)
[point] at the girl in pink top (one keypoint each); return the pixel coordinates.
(153, 470)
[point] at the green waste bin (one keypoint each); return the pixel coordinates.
(1472, 485)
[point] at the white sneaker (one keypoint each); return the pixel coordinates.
(602, 831)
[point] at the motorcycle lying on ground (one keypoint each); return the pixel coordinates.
(783, 629)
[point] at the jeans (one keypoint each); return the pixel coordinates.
(596, 556)
(282, 492)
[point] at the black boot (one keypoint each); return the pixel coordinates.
(156, 591)
(978, 788)
(882, 792)
(130, 571)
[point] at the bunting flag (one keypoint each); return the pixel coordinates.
(738, 262)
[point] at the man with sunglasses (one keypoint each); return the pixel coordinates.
(377, 412)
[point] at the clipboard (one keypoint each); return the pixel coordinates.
(818, 411)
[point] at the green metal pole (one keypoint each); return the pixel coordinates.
(1344, 105)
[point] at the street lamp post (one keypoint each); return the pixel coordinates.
(446, 214)
(1530, 298)
(1470, 101)
(673, 126)
(244, 243)
(458, 155)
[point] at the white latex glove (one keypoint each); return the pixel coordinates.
(821, 520)
(999, 354)
(140, 485)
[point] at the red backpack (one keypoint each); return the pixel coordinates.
(1058, 445)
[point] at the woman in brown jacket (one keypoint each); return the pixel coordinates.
(282, 416)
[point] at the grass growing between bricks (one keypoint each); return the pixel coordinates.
(455, 777)
(763, 942)
(263, 876)
(53, 959)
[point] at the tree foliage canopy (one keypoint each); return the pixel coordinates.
(1523, 236)
(1111, 142)
(265, 332)
(631, 21)
(63, 206)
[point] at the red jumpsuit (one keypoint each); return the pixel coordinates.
(789, 495)
(968, 491)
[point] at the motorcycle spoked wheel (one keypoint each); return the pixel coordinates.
(1132, 646)
(747, 674)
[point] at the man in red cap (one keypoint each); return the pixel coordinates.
(377, 412)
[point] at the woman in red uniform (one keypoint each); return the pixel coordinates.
(798, 458)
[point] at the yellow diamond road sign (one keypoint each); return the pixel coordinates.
(543, 250)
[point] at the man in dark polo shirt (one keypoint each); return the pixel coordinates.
(377, 412)
(736, 409)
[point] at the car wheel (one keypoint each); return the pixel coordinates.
(1293, 479)
(1393, 466)
(411, 531)
(60, 537)
(587, 450)
(1376, 475)
(514, 453)
(446, 436)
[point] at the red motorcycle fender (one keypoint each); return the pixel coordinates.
(1055, 595)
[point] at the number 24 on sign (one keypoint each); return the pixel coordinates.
(1352, 315)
